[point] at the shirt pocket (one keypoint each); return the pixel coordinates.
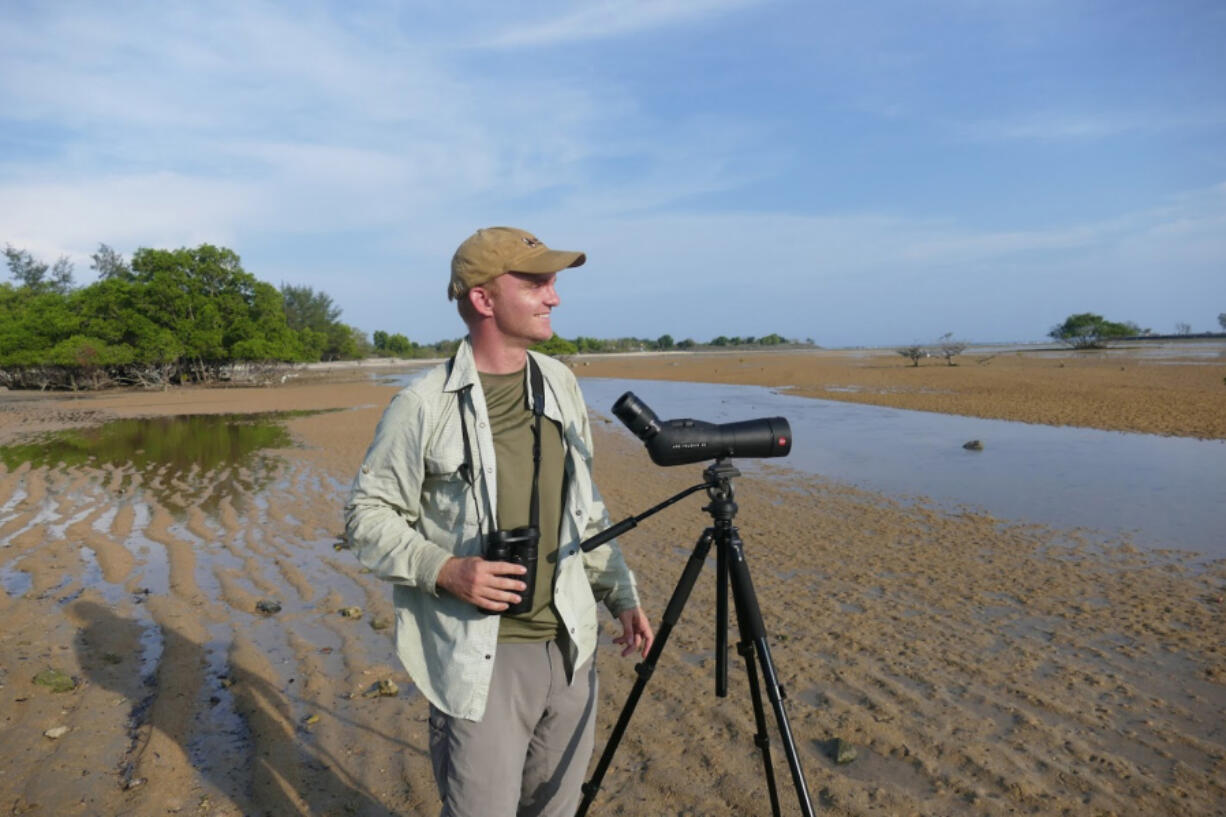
(444, 493)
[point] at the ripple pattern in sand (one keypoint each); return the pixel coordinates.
(979, 668)
(160, 572)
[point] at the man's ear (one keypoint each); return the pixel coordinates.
(482, 300)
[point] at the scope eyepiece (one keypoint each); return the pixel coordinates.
(677, 442)
(634, 413)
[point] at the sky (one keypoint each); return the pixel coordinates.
(856, 174)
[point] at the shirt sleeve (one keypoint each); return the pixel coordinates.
(607, 572)
(385, 502)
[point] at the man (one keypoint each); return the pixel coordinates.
(461, 454)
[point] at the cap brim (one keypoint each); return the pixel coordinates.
(549, 261)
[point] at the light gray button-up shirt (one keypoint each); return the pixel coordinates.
(411, 509)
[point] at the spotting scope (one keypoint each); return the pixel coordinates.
(677, 442)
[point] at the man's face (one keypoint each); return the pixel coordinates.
(522, 304)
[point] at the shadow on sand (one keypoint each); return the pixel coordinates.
(267, 764)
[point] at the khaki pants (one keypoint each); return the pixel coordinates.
(528, 755)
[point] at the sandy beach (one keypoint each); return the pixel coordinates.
(976, 666)
(1176, 389)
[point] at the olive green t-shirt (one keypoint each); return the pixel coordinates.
(511, 422)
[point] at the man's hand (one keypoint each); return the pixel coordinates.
(636, 632)
(488, 585)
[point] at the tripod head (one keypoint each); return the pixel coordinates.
(720, 471)
(719, 476)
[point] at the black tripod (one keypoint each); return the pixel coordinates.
(730, 565)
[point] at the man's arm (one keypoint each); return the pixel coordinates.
(607, 572)
(385, 501)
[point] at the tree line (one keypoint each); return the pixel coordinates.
(194, 315)
(166, 316)
(1087, 330)
(586, 345)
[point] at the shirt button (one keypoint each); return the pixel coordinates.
(572, 630)
(481, 424)
(488, 657)
(489, 469)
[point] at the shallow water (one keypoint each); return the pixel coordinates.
(1160, 492)
(181, 442)
(169, 453)
(1163, 492)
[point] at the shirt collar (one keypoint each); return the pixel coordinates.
(464, 370)
(464, 374)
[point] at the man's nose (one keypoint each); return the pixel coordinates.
(551, 296)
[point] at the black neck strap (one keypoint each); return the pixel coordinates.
(536, 382)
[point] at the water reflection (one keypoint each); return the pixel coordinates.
(203, 440)
(171, 454)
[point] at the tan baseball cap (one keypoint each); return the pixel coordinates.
(492, 251)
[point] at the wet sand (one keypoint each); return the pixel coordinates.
(978, 667)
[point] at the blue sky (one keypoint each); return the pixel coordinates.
(869, 173)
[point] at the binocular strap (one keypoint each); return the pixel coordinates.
(537, 382)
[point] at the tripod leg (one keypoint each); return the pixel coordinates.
(721, 616)
(754, 631)
(672, 614)
(745, 648)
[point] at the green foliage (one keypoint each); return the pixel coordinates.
(110, 264)
(1089, 331)
(36, 275)
(317, 321)
(395, 345)
(184, 313)
(588, 345)
(398, 345)
(358, 346)
(556, 346)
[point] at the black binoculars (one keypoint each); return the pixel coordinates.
(518, 546)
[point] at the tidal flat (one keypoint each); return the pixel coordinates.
(978, 665)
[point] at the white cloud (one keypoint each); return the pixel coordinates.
(183, 121)
(610, 18)
(890, 278)
(157, 210)
(1083, 126)
(359, 147)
